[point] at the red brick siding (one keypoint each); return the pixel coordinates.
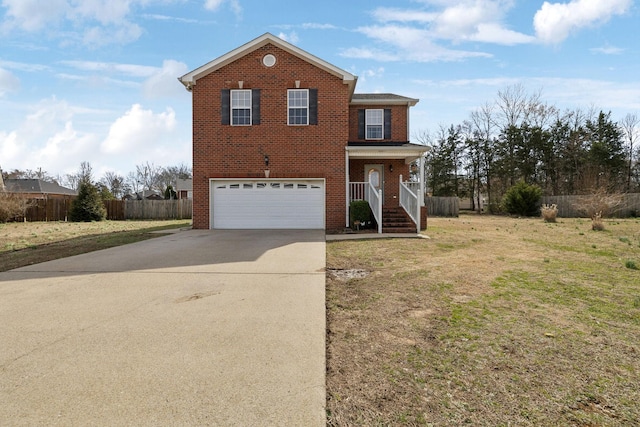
(314, 151)
(398, 122)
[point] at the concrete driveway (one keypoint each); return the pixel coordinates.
(195, 328)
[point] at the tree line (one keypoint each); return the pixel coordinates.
(519, 137)
(146, 178)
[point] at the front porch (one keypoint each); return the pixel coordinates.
(401, 217)
(380, 175)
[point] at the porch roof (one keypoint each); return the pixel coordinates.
(409, 152)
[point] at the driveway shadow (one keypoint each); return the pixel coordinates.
(193, 251)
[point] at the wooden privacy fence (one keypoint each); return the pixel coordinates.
(569, 206)
(158, 209)
(58, 209)
(442, 206)
(48, 209)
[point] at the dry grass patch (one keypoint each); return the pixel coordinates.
(26, 243)
(492, 321)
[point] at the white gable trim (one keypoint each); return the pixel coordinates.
(189, 79)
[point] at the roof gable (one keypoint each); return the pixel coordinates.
(189, 79)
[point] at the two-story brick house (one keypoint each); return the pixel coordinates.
(280, 140)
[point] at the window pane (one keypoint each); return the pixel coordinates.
(374, 124)
(298, 100)
(240, 98)
(241, 107)
(240, 117)
(297, 116)
(374, 132)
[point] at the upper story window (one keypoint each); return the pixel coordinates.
(241, 107)
(374, 124)
(298, 106)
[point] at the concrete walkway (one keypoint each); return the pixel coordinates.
(195, 328)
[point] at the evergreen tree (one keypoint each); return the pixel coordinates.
(88, 205)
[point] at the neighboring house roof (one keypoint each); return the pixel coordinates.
(184, 184)
(190, 79)
(149, 195)
(37, 186)
(382, 98)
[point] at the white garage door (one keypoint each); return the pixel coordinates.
(247, 204)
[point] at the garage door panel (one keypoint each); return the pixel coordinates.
(247, 204)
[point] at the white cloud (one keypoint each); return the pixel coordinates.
(23, 66)
(607, 50)
(8, 82)
(46, 138)
(388, 14)
(464, 20)
(213, 5)
(159, 17)
(493, 33)
(34, 15)
(406, 44)
(123, 33)
(555, 21)
(413, 34)
(9, 147)
(58, 136)
(164, 81)
(95, 22)
(138, 130)
(133, 70)
(103, 11)
(234, 5)
(292, 37)
(316, 26)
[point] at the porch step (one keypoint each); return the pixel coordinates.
(396, 220)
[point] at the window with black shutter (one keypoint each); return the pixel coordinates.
(240, 107)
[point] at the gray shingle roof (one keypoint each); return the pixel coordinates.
(36, 186)
(381, 98)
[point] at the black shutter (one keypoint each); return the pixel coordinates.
(313, 106)
(255, 106)
(225, 109)
(387, 123)
(361, 123)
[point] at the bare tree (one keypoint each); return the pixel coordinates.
(115, 183)
(148, 176)
(483, 126)
(515, 105)
(630, 125)
(170, 175)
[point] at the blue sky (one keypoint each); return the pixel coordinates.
(96, 80)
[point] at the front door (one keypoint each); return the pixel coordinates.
(374, 175)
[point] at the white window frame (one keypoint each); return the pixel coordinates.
(240, 104)
(371, 120)
(290, 107)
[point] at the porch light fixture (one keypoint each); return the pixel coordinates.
(266, 160)
(390, 168)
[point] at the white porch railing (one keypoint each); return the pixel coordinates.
(409, 201)
(375, 201)
(357, 191)
(413, 186)
(366, 191)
